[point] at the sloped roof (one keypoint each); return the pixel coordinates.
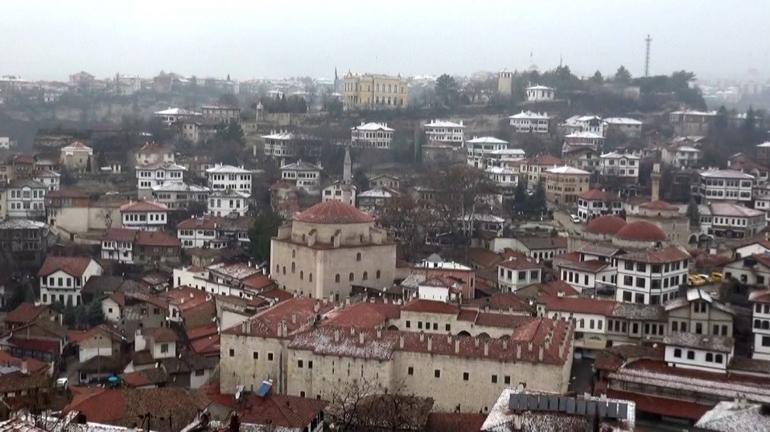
(333, 212)
(73, 266)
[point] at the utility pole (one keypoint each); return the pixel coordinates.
(647, 42)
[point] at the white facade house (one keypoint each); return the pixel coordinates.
(304, 175)
(279, 144)
(530, 122)
(340, 191)
(652, 276)
(170, 116)
(681, 156)
(760, 327)
(614, 164)
(24, 199)
(228, 202)
(152, 176)
(179, 195)
(5, 142)
(154, 154)
(445, 133)
(372, 136)
(583, 123)
(144, 215)
(727, 220)
(725, 185)
(697, 351)
(51, 179)
(594, 202)
(62, 278)
(76, 157)
(480, 150)
(629, 127)
(761, 194)
(583, 139)
(200, 232)
(222, 177)
(540, 93)
(517, 272)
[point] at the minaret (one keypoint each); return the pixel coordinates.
(347, 170)
(655, 177)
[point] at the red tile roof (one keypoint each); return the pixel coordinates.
(203, 222)
(641, 231)
(333, 212)
(257, 282)
(599, 195)
(207, 346)
(605, 225)
(120, 234)
(662, 406)
(294, 313)
(156, 238)
(33, 365)
(362, 315)
(26, 313)
(430, 306)
(572, 260)
(73, 266)
(503, 301)
(658, 205)
(76, 337)
(143, 206)
(760, 296)
(520, 262)
(578, 305)
(162, 334)
(546, 159)
(657, 256)
(280, 411)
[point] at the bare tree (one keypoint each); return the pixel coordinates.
(360, 406)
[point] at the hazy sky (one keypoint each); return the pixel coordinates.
(252, 39)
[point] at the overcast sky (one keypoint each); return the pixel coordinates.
(272, 39)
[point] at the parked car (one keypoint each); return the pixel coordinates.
(574, 218)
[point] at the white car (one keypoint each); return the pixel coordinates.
(62, 382)
(574, 218)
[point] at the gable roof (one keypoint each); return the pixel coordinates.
(73, 266)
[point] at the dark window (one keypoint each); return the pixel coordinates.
(494, 379)
(507, 379)
(255, 355)
(232, 352)
(300, 364)
(437, 373)
(337, 277)
(310, 364)
(677, 352)
(408, 324)
(269, 356)
(690, 355)
(466, 376)
(410, 370)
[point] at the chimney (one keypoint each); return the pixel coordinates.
(316, 307)
(422, 337)
(352, 331)
(379, 332)
(294, 318)
(401, 341)
(336, 335)
(486, 348)
(245, 327)
(24, 367)
(457, 346)
(361, 338)
(505, 344)
(529, 346)
(430, 343)
(540, 353)
(449, 338)
(518, 351)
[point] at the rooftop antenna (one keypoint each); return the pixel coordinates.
(647, 41)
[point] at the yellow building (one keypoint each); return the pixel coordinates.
(370, 91)
(564, 184)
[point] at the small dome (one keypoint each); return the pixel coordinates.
(641, 231)
(605, 225)
(333, 212)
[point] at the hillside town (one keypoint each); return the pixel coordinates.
(525, 249)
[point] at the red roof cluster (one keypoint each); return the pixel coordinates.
(143, 206)
(26, 313)
(73, 266)
(605, 225)
(430, 306)
(333, 212)
(657, 256)
(141, 237)
(641, 231)
(598, 195)
(658, 205)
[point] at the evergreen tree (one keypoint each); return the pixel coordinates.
(265, 228)
(597, 78)
(622, 76)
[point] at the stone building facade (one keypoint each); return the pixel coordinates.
(328, 248)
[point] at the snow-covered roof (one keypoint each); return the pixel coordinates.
(300, 165)
(444, 124)
(228, 169)
(228, 193)
(530, 115)
(694, 112)
(372, 126)
(623, 121)
(616, 155)
(687, 149)
(282, 135)
(765, 144)
(172, 186)
(584, 134)
(732, 174)
(176, 111)
(166, 166)
(21, 224)
(539, 87)
(508, 152)
(500, 170)
(486, 140)
(378, 192)
(567, 170)
(735, 416)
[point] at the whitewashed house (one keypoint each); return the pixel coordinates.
(622, 165)
(304, 175)
(152, 176)
(62, 278)
(442, 132)
(222, 177)
(144, 215)
(540, 93)
(530, 122)
(227, 202)
(372, 136)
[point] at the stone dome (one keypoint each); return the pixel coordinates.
(605, 225)
(333, 212)
(641, 231)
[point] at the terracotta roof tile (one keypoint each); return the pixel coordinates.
(657, 256)
(333, 212)
(74, 266)
(143, 206)
(599, 195)
(430, 306)
(156, 238)
(641, 231)
(605, 225)
(26, 313)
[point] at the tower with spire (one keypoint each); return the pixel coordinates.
(347, 170)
